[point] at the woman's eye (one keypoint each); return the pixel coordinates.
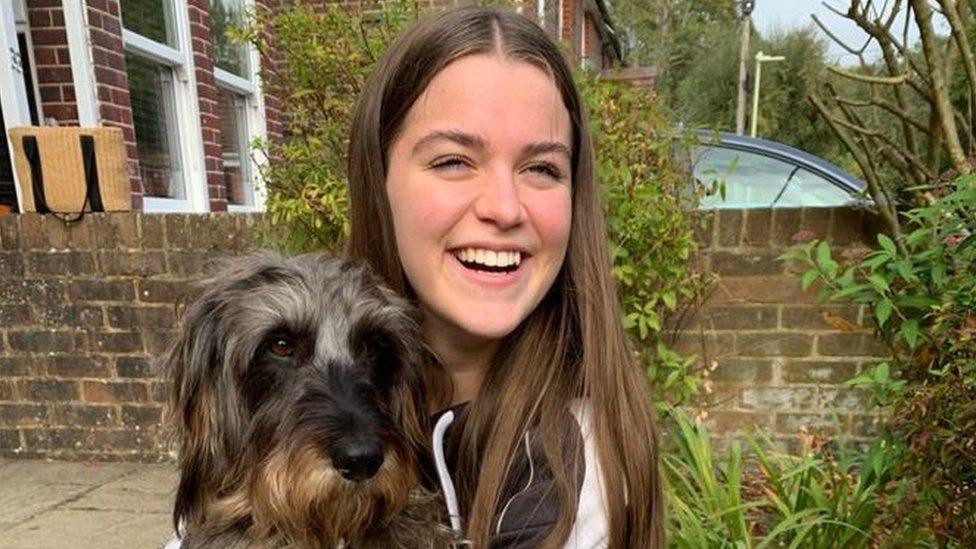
(546, 169)
(450, 164)
(282, 346)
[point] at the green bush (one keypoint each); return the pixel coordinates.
(325, 59)
(819, 499)
(921, 288)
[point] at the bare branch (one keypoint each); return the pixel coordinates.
(885, 208)
(940, 91)
(870, 79)
(837, 39)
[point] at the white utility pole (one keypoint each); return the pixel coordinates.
(760, 59)
(745, 10)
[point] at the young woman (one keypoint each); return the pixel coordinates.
(472, 191)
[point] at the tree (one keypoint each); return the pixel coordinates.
(668, 34)
(906, 126)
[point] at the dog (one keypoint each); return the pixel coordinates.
(298, 401)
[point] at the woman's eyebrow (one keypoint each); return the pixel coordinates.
(474, 142)
(544, 147)
(461, 138)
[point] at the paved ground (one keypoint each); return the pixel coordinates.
(53, 505)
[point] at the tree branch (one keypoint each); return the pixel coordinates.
(940, 91)
(885, 208)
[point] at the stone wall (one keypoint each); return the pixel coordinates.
(83, 308)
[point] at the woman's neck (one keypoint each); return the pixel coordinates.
(465, 359)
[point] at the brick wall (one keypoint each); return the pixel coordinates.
(84, 307)
(112, 82)
(82, 310)
(53, 62)
(776, 360)
(203, 61)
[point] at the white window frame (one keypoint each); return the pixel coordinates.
(186, 131)
(14, 106)
(255, 122)
(23, 26)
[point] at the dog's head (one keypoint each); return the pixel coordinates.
(297, 386)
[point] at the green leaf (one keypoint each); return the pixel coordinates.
(808, 278)
(824, 261)
(879, 283)
(910, 331)
(882, 311)
(887, 244)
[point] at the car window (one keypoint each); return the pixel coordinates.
(756, 181)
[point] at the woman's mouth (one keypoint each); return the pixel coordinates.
(489, 261)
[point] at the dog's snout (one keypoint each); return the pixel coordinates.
(358, 461)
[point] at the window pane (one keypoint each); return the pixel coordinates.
(151, 94)
(234, 143)
(150, 18)
(756, 181)
(230, 56)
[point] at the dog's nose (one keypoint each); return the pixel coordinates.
(358, 461)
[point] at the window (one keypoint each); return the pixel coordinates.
(757, 181)
(162, 91)
(234, 145)
(152, 96)
(240, 104)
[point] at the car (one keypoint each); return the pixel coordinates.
(757, 173)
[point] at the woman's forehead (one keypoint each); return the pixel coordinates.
(493, 97)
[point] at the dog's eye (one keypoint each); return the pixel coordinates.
(282, 346)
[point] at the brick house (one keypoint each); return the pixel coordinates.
(189, 102)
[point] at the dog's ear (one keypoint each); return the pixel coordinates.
(205, 405)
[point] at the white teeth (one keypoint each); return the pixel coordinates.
(489, 258)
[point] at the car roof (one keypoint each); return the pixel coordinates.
(782, 152)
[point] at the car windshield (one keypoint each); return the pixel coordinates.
(757, 181)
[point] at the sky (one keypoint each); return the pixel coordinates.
(781, 14)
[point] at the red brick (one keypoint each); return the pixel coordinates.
(19, 415)
(85, 415)
(818, 371)
(758, 227)
(746, 264)
(114, 392)
(41, 341)
(774, 344)
(48, 37)
(115, 342)
(779, 398)
(742, 370)
(740, 318)
(850, 344)
(78, 366)
(759, 289)
(44, 390)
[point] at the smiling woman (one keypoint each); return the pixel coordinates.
(472, 191)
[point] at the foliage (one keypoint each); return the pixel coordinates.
(820, 498)
(668, 34)
(323, 60)
(921, 288)
(650, 224)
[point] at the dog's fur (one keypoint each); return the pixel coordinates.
(258, 431)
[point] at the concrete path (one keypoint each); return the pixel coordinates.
(54, 505)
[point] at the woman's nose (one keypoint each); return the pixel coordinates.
(499, 202)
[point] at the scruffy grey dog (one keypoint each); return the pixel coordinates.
(298, 400)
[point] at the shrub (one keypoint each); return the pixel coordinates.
(921, 288)
(821, 498)
(326, 57)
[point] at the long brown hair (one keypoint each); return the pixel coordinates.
(572, 346)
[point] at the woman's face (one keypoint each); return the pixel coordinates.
(479, 185)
